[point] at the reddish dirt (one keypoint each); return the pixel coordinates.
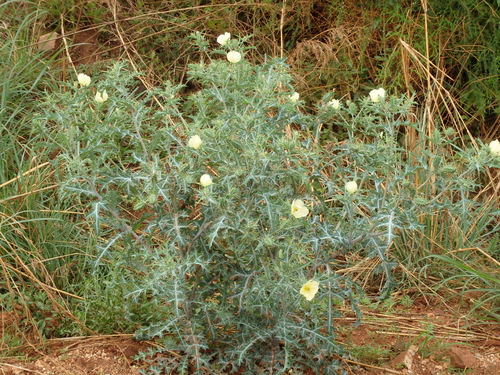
(421, 340)
(408, 351)
(426, 339)
(78, 356)
(404, 341)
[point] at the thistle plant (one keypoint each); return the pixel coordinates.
(400, 193)
(233, 213)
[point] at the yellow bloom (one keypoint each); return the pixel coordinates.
(195, 142)
(206, 180)
(298, 209)
(101, 98)
(495, 147)
(335, 104)
(233, 57)
(377, 95)
(309, 289)
(223, 39)
(294, 98)
(83, 79)
(351, 187)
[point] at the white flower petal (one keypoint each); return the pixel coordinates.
(233, 57)
(335, 104)
(223, 38)
(195, 142)
(299, 209)
(377, 95)
(309, 289)
(494, 147)
(83, 79)
(351, 187)
(206, 180)
(294, 98)
(101, 97)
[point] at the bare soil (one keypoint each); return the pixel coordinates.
(79, 356)
(423, 339)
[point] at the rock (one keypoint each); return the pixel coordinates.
(405, 358)
(49, 41)
(462, 358)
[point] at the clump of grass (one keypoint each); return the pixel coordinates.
(473, 280)
(371, 354)
(47, 243)
(40, 244)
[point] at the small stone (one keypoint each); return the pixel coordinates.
(462, 358)
(438, 311)
(405, 358)
(47, 42)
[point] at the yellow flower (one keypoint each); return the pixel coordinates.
(195, 142)
(233, 57)
(495, 147)
(206, 180)
(335, 104)
(83, 79)
(294, 98)
(223, 39)
(298, 209)
(309, 289)
(377, 95)
(101, 98)
(351, 187)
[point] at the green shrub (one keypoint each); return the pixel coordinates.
(229, 206)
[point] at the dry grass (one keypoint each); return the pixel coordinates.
(341, 56)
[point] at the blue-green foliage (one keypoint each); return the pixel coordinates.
(224, 263)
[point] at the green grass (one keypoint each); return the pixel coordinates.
(373, 354)
(43, 242)
(46, 244)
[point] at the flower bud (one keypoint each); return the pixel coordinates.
(495, 147)
(195, 142)
(294, 98)
(206, 180)
(233, 57)
(351, 187)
